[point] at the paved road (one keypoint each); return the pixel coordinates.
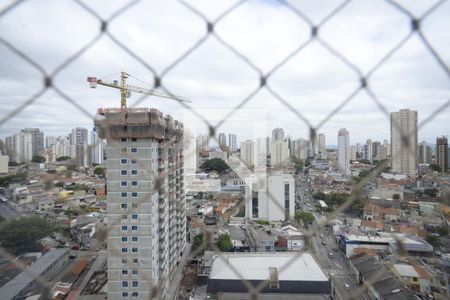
(324, 243)
(7, 212)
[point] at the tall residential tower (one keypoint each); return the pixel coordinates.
(404, 141)
(344, 151)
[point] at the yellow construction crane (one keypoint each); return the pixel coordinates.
(126, 89)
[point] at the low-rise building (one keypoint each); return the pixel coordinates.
(415, 277)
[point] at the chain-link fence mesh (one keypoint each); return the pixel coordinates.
(363, 75)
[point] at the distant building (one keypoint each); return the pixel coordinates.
(425, 153)
(277, 134)
(232, 142)
(96, 148)
(344, 151)
(218, 153)
(300, 149)
(273, 204)
(222, 139)
(248, 152)
(23, 147)
(279, 154)
(442, 153)
(37, 140)
(404, 141)
(322, 146)
(289, 275)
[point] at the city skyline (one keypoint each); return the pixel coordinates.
(313, 82)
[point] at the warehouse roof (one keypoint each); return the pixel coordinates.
(256, 266)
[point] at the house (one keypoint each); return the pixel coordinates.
(372, 212)
(415, 277)
(388, 289)
(391, 214)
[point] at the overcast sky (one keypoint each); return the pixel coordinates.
(313, 82)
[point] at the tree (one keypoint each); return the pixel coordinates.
(60, 184)
(430, 192)
(63, 158)
(396, 196)
(215, 164)
(198, 241)
(363, 173)
(13, 164)
(23, 234)
(435, 167)
(38, 159)
(99, 171)
(224, 243)
(442, 230)
(365, 161)
(304, 216)
(298, 165)
(434, 240)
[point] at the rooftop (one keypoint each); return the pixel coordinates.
(255, 266)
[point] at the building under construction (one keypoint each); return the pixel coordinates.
(146, 199)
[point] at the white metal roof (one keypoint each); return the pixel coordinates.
(255, 266)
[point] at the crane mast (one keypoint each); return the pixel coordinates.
(126, 89)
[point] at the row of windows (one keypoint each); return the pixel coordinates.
(133, 250)
(133, 239)
(133, 272)
(124, 161)
(134, 283)
(131, 139)
(125, 194)
(134, 261)
(125, 172)
(125, 150)
(133, 294)
(133, 227)
(132, 183)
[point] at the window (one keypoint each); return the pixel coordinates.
(134, 227)
(124, 217)
(125, 294)
(134, 250)
(134, 205)
(134, 150)
(124, 239)
(134, 238)
(124, 250)
(134, 172)
(134, 216)
(123, 150)
(124, 272)
(124, 227)
(123, 139)
(134, 139)
(135, 283)
(134, 183)
(124, 284)
(123, 195)
(124, 205)
(134, 272)
(123, 183)
(124, 261)
(135, 260)
(134, 161)
(123, 161)
(123, 172)
(134, 194)
(134, 294)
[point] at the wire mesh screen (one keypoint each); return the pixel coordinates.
(308, 64)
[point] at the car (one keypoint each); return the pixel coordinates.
(323, 243)
(73, 256)
(331, 254)
(347, 287)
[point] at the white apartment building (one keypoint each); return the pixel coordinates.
(96, 148)
(23, 147)
(218, 153)
(404, 147)
(300, 148)
(344, 151)
(277, 134)
(322, 146)
(248, 153)
(222, 139)
(146, 200)
(278, 206)
(352, 152)
(279, 154)
(4, 159)
(232, 142)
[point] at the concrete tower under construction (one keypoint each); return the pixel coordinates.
(146, 200)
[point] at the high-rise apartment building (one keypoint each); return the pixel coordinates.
(404, 141)
(146, 200)
(279, 154)
(222, 140)
(37, 140)
(79, 140)
(232, 142)
(96, 148)
(79, 136)
(275, 203)
(368, 150)
(425, 153)
(322, 146)
(21, 145)
(248, 153)
(277, 134)
(344, 151)
(442, 153)
(300, 149)
(352, 152)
